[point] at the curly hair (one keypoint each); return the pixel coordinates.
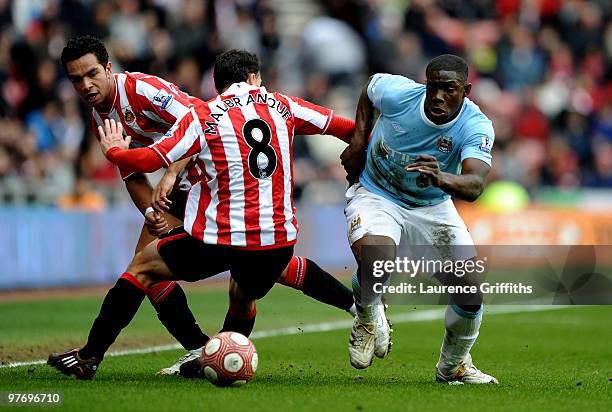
(79, 46)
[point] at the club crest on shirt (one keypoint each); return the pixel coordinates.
(444, 144)
(128, 114)
(355, 223)
(382, 150)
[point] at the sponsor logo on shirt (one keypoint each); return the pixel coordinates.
(398, 128)
(162, 99)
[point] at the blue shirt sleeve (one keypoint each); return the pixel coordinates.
(479, 144)
(387, 92)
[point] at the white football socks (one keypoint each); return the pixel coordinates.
(461, 332)
(353, 310)
(366, 311)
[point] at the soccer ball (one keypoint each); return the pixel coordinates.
(229, 358)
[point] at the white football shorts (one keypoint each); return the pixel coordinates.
(439, 225)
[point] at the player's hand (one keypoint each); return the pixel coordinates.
(156, 223)
(111, 135)
(429, 170)
(353, 159)
(160, 201)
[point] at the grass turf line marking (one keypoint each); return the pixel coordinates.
(407, 317)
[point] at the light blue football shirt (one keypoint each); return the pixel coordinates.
(403, 131)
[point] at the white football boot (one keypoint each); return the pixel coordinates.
(175, 369)
(465, 372)
(382, 336)
(361, 344)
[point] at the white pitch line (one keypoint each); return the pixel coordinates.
(407, 317)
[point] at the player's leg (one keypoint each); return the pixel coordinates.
(371, 332)
(241, 313)
(442, 226)
(118, 309)
(462, 327)
(253, 273)
(305, 275)
(256, 271)
(373, 233)
(156, 263)
(170, 302)
(301, 274)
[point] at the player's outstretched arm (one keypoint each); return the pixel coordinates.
(466, 186)
(353, 158)
(341, 127)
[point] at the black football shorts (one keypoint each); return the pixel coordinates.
(179, 202)
(190, 259)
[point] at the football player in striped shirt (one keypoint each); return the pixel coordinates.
(240, 215)
(147, 107)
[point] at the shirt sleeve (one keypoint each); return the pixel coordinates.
(479, 144)
(342, 128)
(159, 100)
(184, 139)
(387, 92)
(309, 118)
(141, 160)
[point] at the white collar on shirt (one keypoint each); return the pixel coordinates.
(238, 88)
(439, 126)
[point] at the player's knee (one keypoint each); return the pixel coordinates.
(240, 304)
(146, 270)
(236, 294)
(144, 280)
(373, 246)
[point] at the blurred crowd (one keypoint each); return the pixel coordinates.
(541, 70)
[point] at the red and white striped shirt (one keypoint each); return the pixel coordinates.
(242, 143)
(147, 107)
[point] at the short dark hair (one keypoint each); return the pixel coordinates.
(451, 63)
(234, 66)
(79, 46)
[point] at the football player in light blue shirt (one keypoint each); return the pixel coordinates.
(405, 131)
(430, 142)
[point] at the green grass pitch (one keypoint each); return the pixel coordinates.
(557, 359)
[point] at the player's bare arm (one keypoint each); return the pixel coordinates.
(466, 186)
(140, 191)
(160, 200)
(353, 158)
